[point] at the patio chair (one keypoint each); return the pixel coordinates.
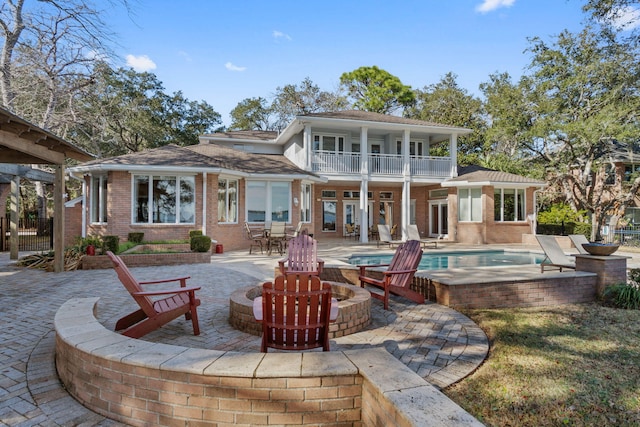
(350, 230)
(277, 237)
(414, 234)
(295, 315)
(554, 255)
(398, 276)
(578, 240)
(302, 257)
(155, 312)
(256, 237)
(296, 232)
(385, 236)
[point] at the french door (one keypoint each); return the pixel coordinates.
(438, 218)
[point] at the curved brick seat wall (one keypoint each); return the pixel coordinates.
(354, 309)
(152, 384)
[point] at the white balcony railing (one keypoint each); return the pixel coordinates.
(380, 164)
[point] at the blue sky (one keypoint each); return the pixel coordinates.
(225, 51)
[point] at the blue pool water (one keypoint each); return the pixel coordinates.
(444, 260)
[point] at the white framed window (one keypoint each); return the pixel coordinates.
(509, 204)
(416, 148)
(329, 215)
(227, 200)
(268, 201)
(331, 143)
(470, 205)
(305, 203)
(99, 199)
(163, 199)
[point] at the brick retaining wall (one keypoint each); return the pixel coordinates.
(151, 384)
(145, 260)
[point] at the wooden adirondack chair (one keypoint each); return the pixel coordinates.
(302, 256)
(396, 279)
(296, 311)
(154, 313)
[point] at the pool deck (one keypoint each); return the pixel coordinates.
(438, 343)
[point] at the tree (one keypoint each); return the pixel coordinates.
(251, 114)
(446, 103)
(125, 111)
(584, 94)
(376, 90)
(617, 15)
(292, 100)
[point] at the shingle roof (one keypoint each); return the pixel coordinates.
(374, 117)
(487, 175)
(205, 156)
(258, 135)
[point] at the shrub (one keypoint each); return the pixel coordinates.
(200, 243)
(135, 237)
(623, 295)
(83, 242)
(111, 243)
(195, 233)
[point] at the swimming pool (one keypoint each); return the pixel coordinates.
(459, 259)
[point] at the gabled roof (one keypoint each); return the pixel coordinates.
(478, 176)
(198, 158)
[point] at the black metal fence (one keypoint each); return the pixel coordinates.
(33, 234)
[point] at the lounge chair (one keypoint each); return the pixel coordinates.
(385, 236)
(295, 311)
(398, 276)
(414, 234)
(578, 240)
(154, 313)
(302, 256)
(554, 255)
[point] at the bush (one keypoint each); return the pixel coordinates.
(135, 237)
(193, 233)
(111, 243)
(83, 242)
(623, 295)
(200, 243)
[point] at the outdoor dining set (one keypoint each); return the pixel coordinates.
(273, 236)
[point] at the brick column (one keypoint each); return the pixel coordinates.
(610, 269)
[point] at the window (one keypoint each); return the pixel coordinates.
(268, 201)
(329, 216)
(328, 143)
(508, 204)
(98, 199)
(227, 200)
(415, 148)
(330, 194)
(387, 195)
(470, 204)
(305, 203)
(631, 172)
(162, 199)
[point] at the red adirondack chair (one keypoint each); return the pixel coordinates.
(396, 279)
(302, 256)
(296, 311)
(154, 313)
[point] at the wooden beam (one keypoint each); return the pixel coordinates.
(30, 148)
(58, 220)
(26, 172)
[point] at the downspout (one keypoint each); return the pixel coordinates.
(84, 204)
(534, 221)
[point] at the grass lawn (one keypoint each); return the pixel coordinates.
(573, 365)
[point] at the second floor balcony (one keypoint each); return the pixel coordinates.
(329, 162)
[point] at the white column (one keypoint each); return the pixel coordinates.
(405, 205)
(204, 203)
(364, 185)
(307, 143)
(453, 149)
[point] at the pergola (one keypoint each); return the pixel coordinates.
(22, 143)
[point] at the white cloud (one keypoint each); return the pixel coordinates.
(280, 35)
(490, 5)
(141, 63)
(185, 55)
(626, 18)
(229, 66)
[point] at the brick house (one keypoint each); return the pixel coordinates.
(324, 170)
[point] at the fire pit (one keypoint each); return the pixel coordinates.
(600, 249)
(354, 312)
